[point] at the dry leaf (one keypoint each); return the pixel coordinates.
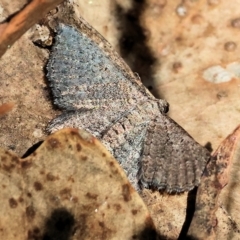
(217, 176)
(70, 187)
(22, 66)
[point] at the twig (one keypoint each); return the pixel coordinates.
(13, 29)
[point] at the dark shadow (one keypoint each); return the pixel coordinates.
(190, 238)
(132, 42)
(59, 226)
(32, 149)
(208, 146)
(149, 234)
(191, 202)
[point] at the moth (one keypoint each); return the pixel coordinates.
(98, 92)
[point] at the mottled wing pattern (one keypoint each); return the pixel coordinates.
(171, 159)
(98, 92)
(96, 121)
(125, 141)
(81, 75)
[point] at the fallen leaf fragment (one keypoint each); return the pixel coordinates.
(216, 176)
(69, 187)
